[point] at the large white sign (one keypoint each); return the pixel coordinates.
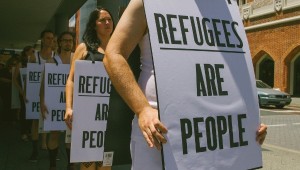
(55, 97)
(33, 82)
(90, 110)
(205, 84)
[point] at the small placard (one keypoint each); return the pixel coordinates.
(108, 158)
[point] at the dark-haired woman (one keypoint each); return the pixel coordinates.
(96, 36)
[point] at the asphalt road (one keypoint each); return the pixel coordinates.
(281, 150)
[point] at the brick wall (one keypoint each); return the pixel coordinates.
(280, 42)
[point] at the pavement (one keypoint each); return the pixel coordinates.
(281, 149)
(15, 153)
(295, 102)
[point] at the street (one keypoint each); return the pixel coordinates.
(281, 149)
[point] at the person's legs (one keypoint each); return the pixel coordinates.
(100, 166)
(23, 122)
(70, 165)
(87, 166)
(53, 147)
(44, 141)
(34, 138)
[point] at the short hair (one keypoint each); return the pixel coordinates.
(46, 31)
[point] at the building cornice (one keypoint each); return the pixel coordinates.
(273, 23)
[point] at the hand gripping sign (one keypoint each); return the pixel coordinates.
(205, 84)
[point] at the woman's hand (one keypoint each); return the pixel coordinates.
(44, 110)
(24, 97)
(69, 118)
(261, 134)
(152, 129)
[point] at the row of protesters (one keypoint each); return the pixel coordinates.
(46, 54)
(96, 36)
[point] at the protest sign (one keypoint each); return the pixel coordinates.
(56, 77)
(33, 80)
(205, 84)
(90, 111)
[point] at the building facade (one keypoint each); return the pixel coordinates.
(273, 31)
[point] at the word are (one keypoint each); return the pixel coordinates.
(209, 81)
(101, 112)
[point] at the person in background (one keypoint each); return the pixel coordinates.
(147, 130)
(27, 53)
(8, 116)
(41, 57)
(96, 36)
(65, 46)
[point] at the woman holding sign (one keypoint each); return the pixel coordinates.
(96, 36)
(141, 96)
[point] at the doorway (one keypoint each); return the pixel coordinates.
(266, 71)
(296, 77)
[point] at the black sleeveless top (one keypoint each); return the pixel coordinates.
(94, 56)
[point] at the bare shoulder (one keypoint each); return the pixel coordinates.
(80, 52)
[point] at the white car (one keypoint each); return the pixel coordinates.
(269, 96)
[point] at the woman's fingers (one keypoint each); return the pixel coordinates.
(261, 134)
(68, 120)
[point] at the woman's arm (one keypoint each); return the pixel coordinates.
(129, 31)
(79, 54)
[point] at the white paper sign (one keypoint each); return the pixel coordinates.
(56, 77)
(205, 84)
(90, 110)
(33, 82)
